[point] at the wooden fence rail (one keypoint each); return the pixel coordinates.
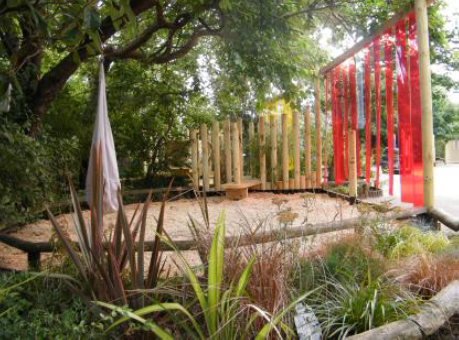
(34, 249)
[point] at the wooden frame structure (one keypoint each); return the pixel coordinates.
(420, 9)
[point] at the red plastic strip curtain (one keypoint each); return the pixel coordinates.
(326, 128)
(338, 127)
(404, 116)
(353, 100)
(418, 183)
(388, 53)
(333, 119)
(346, 124)
(368, 113)
(377, 67)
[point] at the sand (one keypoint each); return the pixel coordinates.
(239, 215)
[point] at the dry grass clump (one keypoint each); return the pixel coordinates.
(268, 282)
(428, 274)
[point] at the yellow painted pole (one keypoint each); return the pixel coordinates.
(307, 147)
(318, 132)
(261, 133)
(227, 139)
(296, 151)
(216, 153)
(285, 159)
(205, 156)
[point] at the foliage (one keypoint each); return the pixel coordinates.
(42, 308)
(395, 242)
(103, 265)
(32, 172)
(226, 310)
(427, 274)
(352, 307)
(341, 261)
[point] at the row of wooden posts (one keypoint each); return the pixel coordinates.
(234, 161)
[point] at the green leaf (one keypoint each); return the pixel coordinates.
(91, 19)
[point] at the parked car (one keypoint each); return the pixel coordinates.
(384, 162)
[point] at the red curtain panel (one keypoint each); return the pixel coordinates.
(388, 53)
(368, 113)
(346, 124)
(417, 173)
(326, 128)
(377, 68)
(339, 97)
(333, 119)
(353, 100)
(404, 115)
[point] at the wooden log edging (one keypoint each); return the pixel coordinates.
(448, 220)
(34, 249)
(434, 314)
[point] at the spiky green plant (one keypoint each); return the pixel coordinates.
(104, 264)
(226, 309)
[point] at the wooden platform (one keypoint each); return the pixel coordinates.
(236, 192)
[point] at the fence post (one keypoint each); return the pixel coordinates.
(273, 136)
(261, 133)
(307, 147)
(236, 165)
(352, 166)
(425, 82)
(205, 156)
(285, 159)
(240, 129)
(194, 158)
(318, 132)
(216, 154)
(227, 139)
(296, 150)
(252, 158)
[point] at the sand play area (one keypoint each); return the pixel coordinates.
(274, 210)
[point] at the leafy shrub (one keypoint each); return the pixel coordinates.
(396, 243)
(340, 261)
(354, 307)
(42, 308)
(33, 172)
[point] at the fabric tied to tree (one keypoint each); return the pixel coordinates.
(388, 52)
(104, 147)
(417, 173)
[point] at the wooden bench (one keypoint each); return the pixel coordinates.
(236, 192)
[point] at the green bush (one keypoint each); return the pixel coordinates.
(33, 172)
(395, 242)
(354, 307)
(42, 308)
(343, 261)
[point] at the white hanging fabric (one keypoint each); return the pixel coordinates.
(103, 138)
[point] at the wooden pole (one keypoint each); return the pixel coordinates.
(227, 137)
(425, 83)
(296, 151)
(352, 165)
(261, 133)
(273, 136)
(252, 158)
(205, 156)
(241, 158)
(318, 132)
(194, 157)
(235, 160)
(216, 153)
(285, 159)
(307, 147)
